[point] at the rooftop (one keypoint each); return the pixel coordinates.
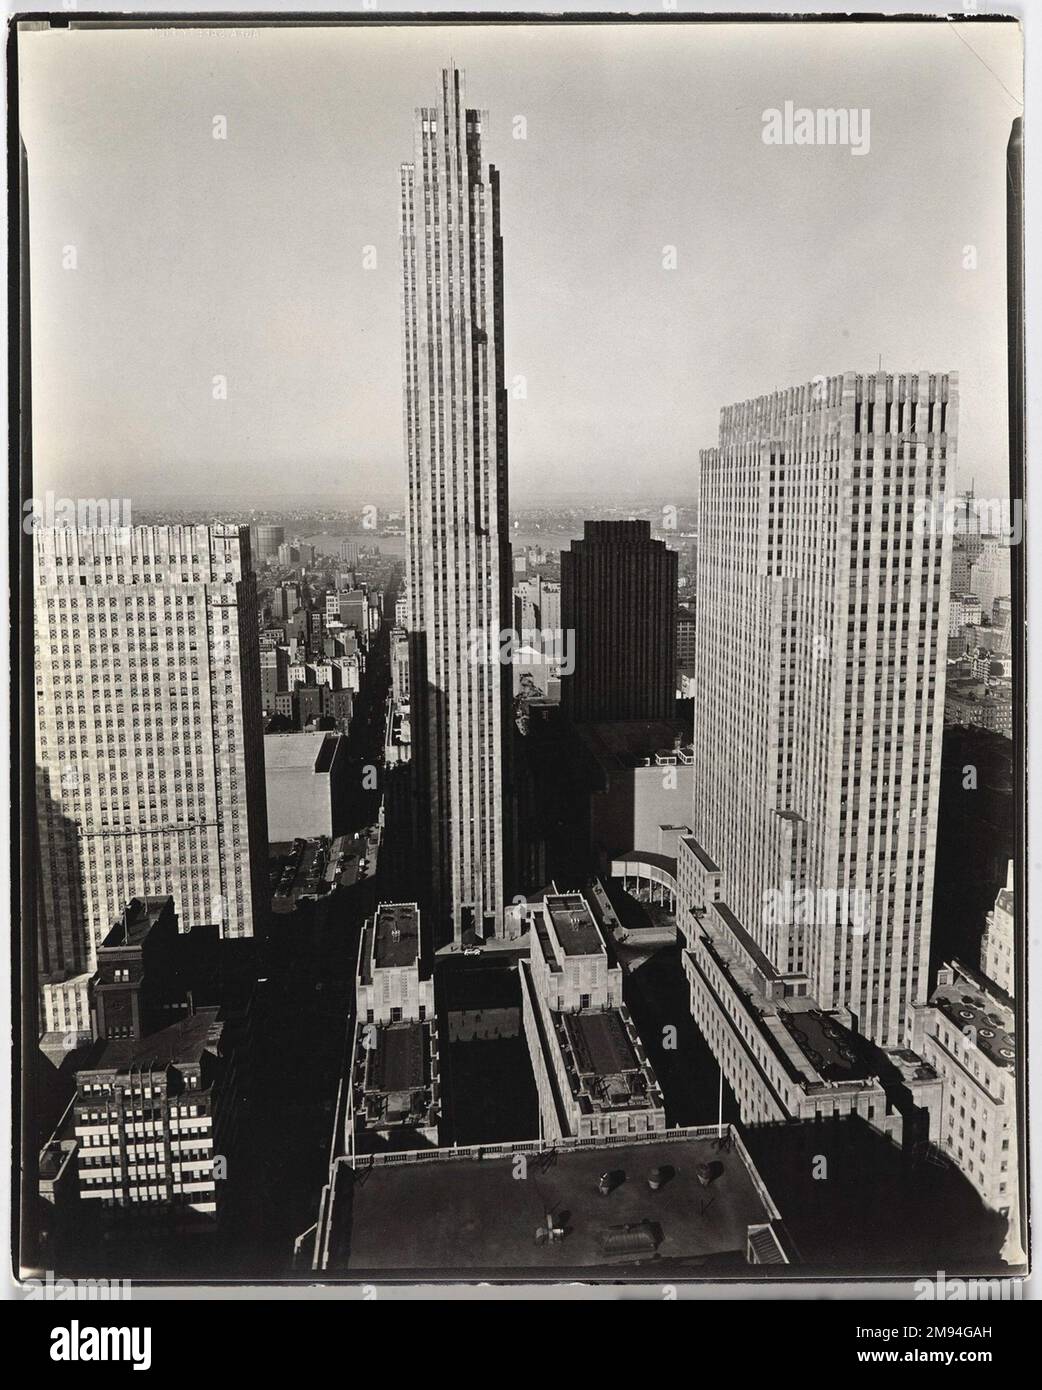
(395, 1077)
(471, 1216)
(397, 937)
(602, 1064)
(574, 925)
(136, 920)
(313, 752)
(967, 1004)
(303, 874)
(310, 868)
(601, 1041)
(701, 855)
(625, 743)
(810, 1043)
(179, 1044)
(397, 1058)
(834, 1052)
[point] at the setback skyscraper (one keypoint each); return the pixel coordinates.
(459, 570)
(822, 618)
(149, 752)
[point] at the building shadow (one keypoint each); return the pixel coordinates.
(975, 840)
(856, 1204)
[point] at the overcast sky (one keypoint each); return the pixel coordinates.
(243, 257)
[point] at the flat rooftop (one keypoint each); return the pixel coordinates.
(470, 1216)
(601, 1043)
(967, 1005)
(395, 1078)
(179, 1043)
(312, 752)
(603, 1061)
(832, 1050)
(396, 940)
(573, 922)
(802, 1044)
(624, 743)
(734, 926)
(398, 1058)
(303, 874)
(707, 862)
(136, 921)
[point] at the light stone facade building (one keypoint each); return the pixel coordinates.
(967, 1034)
(393, 1088)
(592, 1074)
(822, 613)
(149, 752)
(998, 956)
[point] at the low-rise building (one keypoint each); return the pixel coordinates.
(592, 1073)
(150, 1117)
(967, 1034)
(630, 776)
(154, 1118)
(983, 704)
(784, 1056)
(394, 1083)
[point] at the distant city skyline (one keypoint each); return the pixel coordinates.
(244, 258)
(393, 501)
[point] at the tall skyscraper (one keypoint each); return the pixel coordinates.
(619, 597)
(822, 619)
(459, 568)
(149, 743)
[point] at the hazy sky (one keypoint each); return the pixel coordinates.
(243, 257)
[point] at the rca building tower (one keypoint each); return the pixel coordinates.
(459, 569)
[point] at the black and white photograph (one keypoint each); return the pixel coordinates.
(518, 636)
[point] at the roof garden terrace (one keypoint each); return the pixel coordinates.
(814, 1047)
(605, 1061)
(395, 1079)
(574, 925)
(981, 1014)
